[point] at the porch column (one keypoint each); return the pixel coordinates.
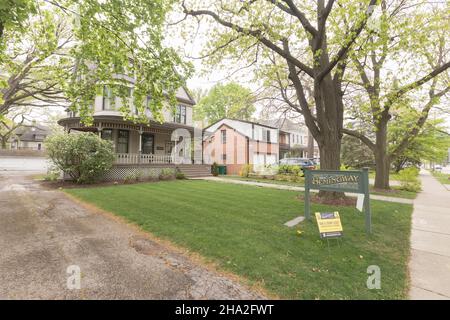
(99, 130)
(140, 144)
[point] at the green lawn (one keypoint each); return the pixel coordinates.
(392, 175)
(443, 178)
(241, 229)
(395, 192)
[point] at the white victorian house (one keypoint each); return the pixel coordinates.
(140, 147)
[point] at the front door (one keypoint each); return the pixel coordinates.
(148, 143)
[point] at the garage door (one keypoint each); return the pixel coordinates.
(263, 159)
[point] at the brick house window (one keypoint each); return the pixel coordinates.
(223, 136)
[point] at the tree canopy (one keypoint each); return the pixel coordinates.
(398, 73)
(229, 100)
(35, 63)
(115, 43)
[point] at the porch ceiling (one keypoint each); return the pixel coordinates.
(117, 122)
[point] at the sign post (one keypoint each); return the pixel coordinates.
(339, 181)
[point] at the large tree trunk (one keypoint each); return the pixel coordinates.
(382, 159)
(330, 112)
(330, 152)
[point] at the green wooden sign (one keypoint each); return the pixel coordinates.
(340, 181)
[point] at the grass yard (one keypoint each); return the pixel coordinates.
(241, 229)
(392, 175)
(395, 191)
(443, 178)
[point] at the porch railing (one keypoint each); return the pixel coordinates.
(136, 158)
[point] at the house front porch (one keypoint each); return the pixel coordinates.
(143, 149)
(139, 143)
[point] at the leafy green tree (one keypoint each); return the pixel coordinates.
(34, 65)
(303, 45)
(399, 73)
(120, 44)
(225, 101)
(114, 43)
(431, 144)
(84, 156)
(13, 13)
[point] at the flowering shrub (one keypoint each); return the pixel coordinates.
(84, 156)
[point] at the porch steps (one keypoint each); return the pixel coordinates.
(195, 170)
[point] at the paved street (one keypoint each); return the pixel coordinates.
(35, 164)
(430, 241)
(43, 232)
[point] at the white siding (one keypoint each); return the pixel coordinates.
(167, 112)
(254, 131)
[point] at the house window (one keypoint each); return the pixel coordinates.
(224, 157)
(180, 114)
(223, 136)
(148, 143)
(108, 98)
(122, 141)
(266, 135)
(107, 134)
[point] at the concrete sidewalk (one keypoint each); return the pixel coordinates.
(301, 189)
(430, 241)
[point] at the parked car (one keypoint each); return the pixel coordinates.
(303, 163)
(316, 161)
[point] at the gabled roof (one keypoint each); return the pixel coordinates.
(210, 133)
(29, 133)
(244, 121)
(183, 95)
(283, 124)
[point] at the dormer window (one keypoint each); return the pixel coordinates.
(180, 114)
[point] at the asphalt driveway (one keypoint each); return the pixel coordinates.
(43, 233)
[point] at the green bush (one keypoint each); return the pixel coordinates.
(289, 169)
(153, 174)
(53, 173)
(84, 157)
(409, 180)
(215, 169)
(180, 175)
(167, 174)
(245, 170)
(134, 176)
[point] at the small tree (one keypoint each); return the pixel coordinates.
(225, 101)
(84, 157)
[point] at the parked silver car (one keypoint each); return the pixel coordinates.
(301, 162)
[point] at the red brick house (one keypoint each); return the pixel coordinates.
(235, 143)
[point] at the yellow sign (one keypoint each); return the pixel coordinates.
(329, 224)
